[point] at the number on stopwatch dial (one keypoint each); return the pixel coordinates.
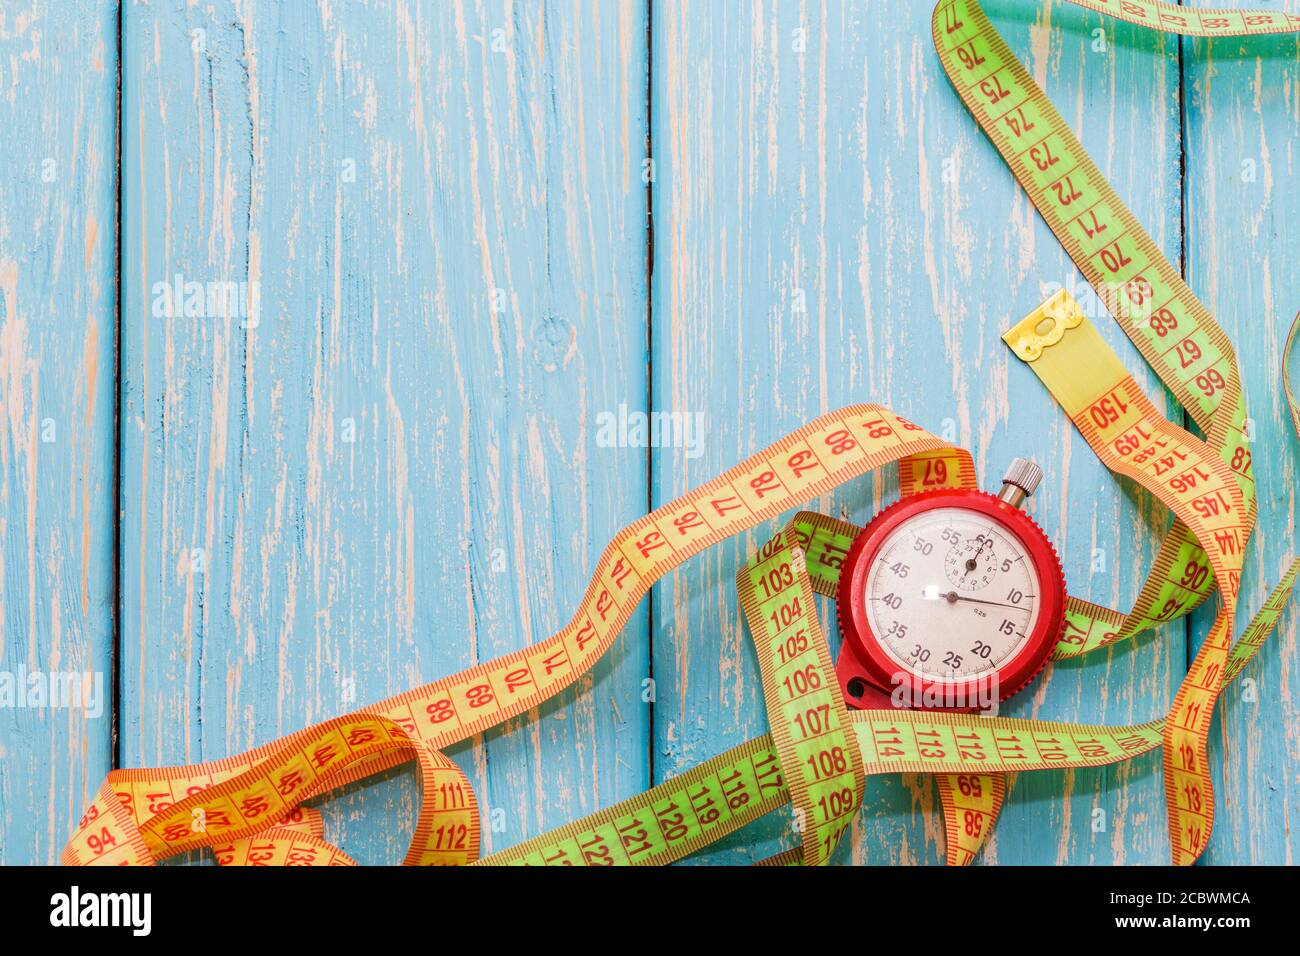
(952, 594)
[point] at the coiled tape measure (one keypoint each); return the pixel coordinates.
(249, 808)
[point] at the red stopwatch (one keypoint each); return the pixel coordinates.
(949, 600)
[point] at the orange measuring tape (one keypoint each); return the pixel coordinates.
(249, 809)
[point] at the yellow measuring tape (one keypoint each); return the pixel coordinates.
(249, 808)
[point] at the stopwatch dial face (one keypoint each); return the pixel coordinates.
(952, 594)
(972, 564)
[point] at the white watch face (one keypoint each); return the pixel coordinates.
(952, 595)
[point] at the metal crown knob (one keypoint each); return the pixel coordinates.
(1020, 481)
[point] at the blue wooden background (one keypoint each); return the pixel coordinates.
(476, 230)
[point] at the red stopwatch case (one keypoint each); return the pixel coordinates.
(868, 675)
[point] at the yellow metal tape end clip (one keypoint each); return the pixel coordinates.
(1066, 352)
(1044, 327)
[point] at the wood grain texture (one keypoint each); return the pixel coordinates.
(58, 71)
(395, 467)
(393, 474)
(1243, 159)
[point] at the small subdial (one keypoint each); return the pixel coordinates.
(971, 565)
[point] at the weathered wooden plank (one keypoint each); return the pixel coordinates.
(391, 470)
(832, 227)
(1243, 136)
(58, 73)
(826, 212)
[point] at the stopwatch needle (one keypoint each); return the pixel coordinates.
(953, 597)
(973, 562)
